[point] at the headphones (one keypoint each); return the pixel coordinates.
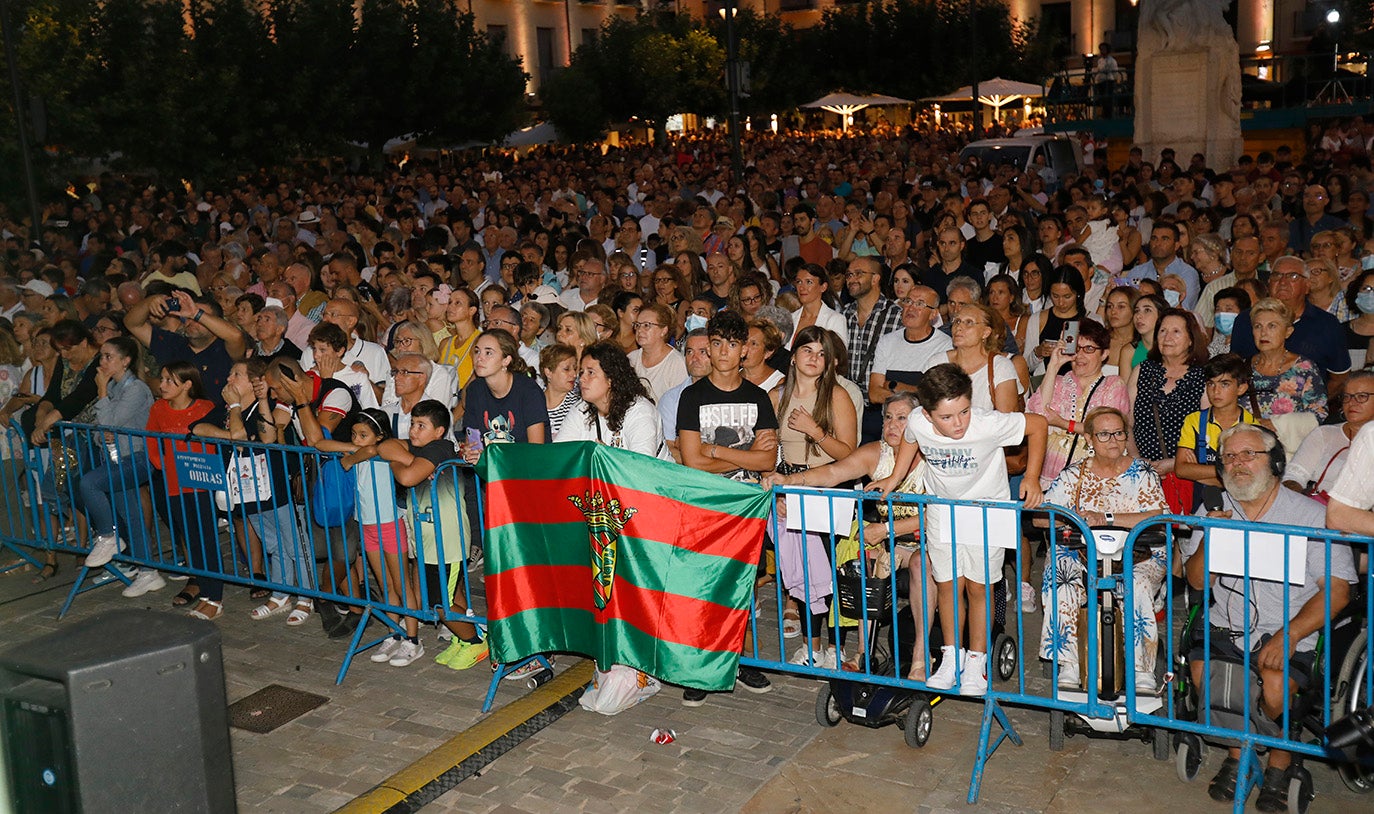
(1278, 459)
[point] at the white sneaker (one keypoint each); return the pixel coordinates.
(1028, 595)
(1068, 676)
(943, 678)
(825, 658)
(974, 678)
(384, 650)
(406, 652)
(1145, 683)
(146, 580)
(105, 548)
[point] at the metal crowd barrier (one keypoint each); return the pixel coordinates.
(289, 550)
(1247, 568)
(831, 515)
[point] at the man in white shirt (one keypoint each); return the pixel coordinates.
(591, 278)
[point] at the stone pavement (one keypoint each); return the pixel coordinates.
(740, 752)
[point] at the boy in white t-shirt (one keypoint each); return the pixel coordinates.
(962, 446)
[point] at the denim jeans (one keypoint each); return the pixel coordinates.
(287, 563)
(190, 516)
(109, 495)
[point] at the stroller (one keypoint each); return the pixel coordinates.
(873, 703)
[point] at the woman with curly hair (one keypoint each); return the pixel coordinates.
(615, 407)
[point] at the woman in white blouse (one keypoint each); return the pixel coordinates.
(812, 283)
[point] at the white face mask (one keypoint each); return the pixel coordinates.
(1172, 297)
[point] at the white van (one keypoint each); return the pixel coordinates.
(1060, 153)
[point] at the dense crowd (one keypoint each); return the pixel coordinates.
(865, 308)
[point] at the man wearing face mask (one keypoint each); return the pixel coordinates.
(1164, 260)
(1245, 260)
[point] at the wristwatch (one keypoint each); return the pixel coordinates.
(1110, 518)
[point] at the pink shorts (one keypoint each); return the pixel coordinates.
(388, 537)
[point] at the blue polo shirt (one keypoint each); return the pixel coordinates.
(1191, 279)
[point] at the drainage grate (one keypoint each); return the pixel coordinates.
(270, 707)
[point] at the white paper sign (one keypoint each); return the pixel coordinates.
(826, 511)
(1227, 555)
(999, 526)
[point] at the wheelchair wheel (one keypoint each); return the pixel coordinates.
(1300, 791)
(920, 718)
(1056, 730)
(827, 709)
(1004, 651)
(1159, 743)
(1189, 755)
(1357, 776)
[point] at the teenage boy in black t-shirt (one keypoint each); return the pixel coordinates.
(726, 425)
(413, 463)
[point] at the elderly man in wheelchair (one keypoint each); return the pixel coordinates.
(1250, 466)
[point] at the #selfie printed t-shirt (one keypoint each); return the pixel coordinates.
(726, 418)
(972, 467)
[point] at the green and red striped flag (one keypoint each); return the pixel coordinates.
(626, 558)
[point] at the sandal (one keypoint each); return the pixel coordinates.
(529, 669)
(1223, 786)
(1273, 794)
(185, 597)
(47, 572)
(270, 608)
(917, 672)
(259, 593)
(791, 623)
(207, 609)
(300, 613)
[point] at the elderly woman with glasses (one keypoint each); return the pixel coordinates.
(1325, 289)
(1065, 399)
(655, 361)
(1109, 488)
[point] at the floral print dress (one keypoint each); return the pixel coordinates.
(1135, 490)
(1300, 388)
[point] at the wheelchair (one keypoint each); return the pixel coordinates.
(1348, 646)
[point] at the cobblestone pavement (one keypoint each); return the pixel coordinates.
(739, 752)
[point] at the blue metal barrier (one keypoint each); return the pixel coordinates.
(1243, 562)
(997, 526)
(299, 554)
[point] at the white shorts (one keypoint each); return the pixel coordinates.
(969, 561)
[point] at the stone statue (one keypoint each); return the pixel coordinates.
(1187, 82)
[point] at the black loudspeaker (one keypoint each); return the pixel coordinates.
(123, 713)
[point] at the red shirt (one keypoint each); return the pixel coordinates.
(162, 418)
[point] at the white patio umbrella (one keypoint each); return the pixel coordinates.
(995, 92)
(847, 104)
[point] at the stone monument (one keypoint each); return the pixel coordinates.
(1187, 82)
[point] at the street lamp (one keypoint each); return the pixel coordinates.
(732, 82)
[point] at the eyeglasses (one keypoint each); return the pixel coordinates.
(1088, 349)
(629, 275)
(600, 326)
(1358, 398)
(1291, 276)
(854, 275)
(591, 273)
(751, 300)
(493, 322)
(396, 371)
(1245, 456)
(638, 325)
(1110, 435)
(906, 302)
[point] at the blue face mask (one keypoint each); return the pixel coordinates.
(695, 321)
(1172, 297)
(1365, 302)
(1224, 323)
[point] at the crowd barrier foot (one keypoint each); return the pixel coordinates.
(25, 558)
(991, 710)
(504, 670)
(1249, 777)
(353, 643)
(107, 574)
